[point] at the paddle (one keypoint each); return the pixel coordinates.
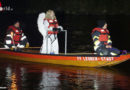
(24, 48)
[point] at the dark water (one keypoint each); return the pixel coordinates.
(29, 76)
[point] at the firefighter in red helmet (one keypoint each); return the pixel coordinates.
(15, 38)
(102, 41)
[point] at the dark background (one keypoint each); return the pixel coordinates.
(78, 17)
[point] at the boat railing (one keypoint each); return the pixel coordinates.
(65, 51)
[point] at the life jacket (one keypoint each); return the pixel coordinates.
(16, 35)
(52, 32)
(54, 24)
(103, 37)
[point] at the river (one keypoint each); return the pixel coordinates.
(16, 75)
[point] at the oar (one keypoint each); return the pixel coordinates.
(23, 48)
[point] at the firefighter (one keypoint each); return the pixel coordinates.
(48, 26)
(15, 38)
(102, 41)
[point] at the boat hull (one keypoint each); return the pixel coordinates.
(71, 60)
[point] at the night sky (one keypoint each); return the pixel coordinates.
(70, 6)
(77, 16)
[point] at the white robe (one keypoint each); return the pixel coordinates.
(50, 43)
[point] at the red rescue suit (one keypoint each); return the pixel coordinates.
(17, 34)
(103, 37)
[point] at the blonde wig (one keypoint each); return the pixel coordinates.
(48, 15)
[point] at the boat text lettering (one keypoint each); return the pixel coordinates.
(95, 58)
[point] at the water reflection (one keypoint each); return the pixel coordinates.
(90, 78)
(50, 80)
(11, 79)
(30, 76)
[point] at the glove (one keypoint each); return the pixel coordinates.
(57, 29)
(27, 45)
(13, 48)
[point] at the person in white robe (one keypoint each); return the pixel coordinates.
(49, 28)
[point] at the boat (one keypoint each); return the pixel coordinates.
(75, 59)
